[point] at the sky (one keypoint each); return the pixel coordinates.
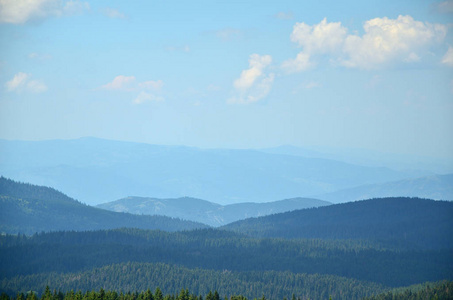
(230, 74)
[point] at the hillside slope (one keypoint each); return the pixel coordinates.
(26, 208)
(402, 222)
(207, 212)
(214, 249)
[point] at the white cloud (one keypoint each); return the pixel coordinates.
(253, 84)
(18, 81)
(257, 65)
(130, 84)
(120, 82)
(384, 41)
(22, 82)
(152, 85)
(22, 11)
(300, 63)
(113, 13)
(320, 38)
(147, 97)
(448, 57)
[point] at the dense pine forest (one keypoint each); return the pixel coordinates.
(406, 223)
(27, 209)
(436, 291)
(346, 254)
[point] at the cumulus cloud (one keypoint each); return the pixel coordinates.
(253, 83)
(148, 90)
(22, 11)
(23, 82)
(320, 38)
(448, 57)
(384, 41)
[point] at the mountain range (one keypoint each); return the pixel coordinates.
(27, 209)
(96, 171)
(346, 251)
(437, 187)
(207, 212)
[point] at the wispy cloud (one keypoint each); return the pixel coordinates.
(445, 7)
(120, 82)
(385, 41)
(112, 13)
(22, 11)
(448, 57)
(147, 97)
(149, 91)
(185, 48)
(39, 56)
(228, 34)
(253, 83)
(24, 82)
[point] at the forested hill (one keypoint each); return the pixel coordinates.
(207, 212)
(411, 223)
(26, 208)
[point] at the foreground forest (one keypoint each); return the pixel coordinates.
(438, 290)
(338, 251)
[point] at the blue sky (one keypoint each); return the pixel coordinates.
(237, 74)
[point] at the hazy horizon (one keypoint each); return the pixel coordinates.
(358, 75)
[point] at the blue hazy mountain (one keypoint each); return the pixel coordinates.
(207, 212)
(96, 171)
(26, 208)
(416, 164)
(437, 187)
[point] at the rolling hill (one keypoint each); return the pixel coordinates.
(409, 223)
(26, 208)
(207, 212)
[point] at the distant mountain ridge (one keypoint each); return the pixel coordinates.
(95, 171)
(26, 208)
(207, 212)
(436, 187)
(402, 222)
